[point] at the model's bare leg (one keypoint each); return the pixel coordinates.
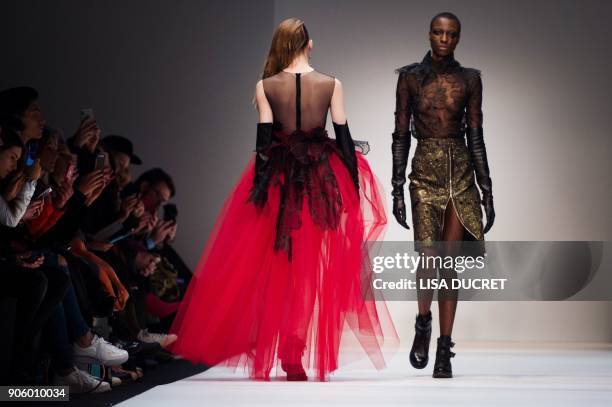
(452, 235)
(419, 354)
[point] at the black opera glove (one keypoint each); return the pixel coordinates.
(400, 147)
(345, 144)
(478, 152)
(259, 191)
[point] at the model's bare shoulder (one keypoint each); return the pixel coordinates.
(259, 88)
(324, 77)
(325, 82)
(336, 87)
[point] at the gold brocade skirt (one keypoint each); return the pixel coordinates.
(442, 170)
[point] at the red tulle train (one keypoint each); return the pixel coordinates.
(247, 302)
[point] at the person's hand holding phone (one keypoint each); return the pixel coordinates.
(30, 260)
(71, 172)
(161, 231)
(143, 221)
(146, 263)
(146, 223)
(128, 205)
(153, 220)
(87, 135)
(107, 175)
(86, 130)
(63, 192)
(90, 181)
(172, 232)
(34, 209)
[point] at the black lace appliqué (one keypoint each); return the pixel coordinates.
(302, 157)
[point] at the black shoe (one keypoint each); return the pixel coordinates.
(442, 367)
(419, 354)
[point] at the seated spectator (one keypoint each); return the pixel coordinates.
(60, 178)
(80, 242)
(70, 339)
(49, 299)
(111, 210)
(18, 187)
(19, 110)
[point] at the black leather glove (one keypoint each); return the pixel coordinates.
(478, 152)
(259, 192)
(400, 147)
(345, 144)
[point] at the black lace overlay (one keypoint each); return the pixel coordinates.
(299, 165)
(298, 159)
(438, 98)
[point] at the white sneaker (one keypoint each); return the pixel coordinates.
(81, 382)
(163, 339)
(100, 351)
(116, 381)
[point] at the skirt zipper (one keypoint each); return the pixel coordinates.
(450, 182)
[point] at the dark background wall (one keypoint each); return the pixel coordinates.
(176, 77)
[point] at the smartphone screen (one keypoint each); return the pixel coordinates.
(31, 152)
(86, 114)
(100, 161)
(44, 193)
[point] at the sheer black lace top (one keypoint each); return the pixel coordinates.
(299, 153)
(438, 98)
(311, 90)
(300, 101)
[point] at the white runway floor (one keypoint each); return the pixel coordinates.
(485, 375)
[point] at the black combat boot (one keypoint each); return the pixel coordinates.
(419, 354)
(442, 367)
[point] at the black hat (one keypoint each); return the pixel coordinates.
(121, 145)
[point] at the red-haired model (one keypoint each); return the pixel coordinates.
(284, 272)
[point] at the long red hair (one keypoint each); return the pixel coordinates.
(290, 38)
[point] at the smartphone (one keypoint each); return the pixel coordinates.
(121, 237)
(100, 161)
(170, 212)
(31, 152)
(87, 114)
(44, 193)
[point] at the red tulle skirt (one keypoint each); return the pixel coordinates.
(247, 302)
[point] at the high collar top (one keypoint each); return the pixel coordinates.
(447, 64)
